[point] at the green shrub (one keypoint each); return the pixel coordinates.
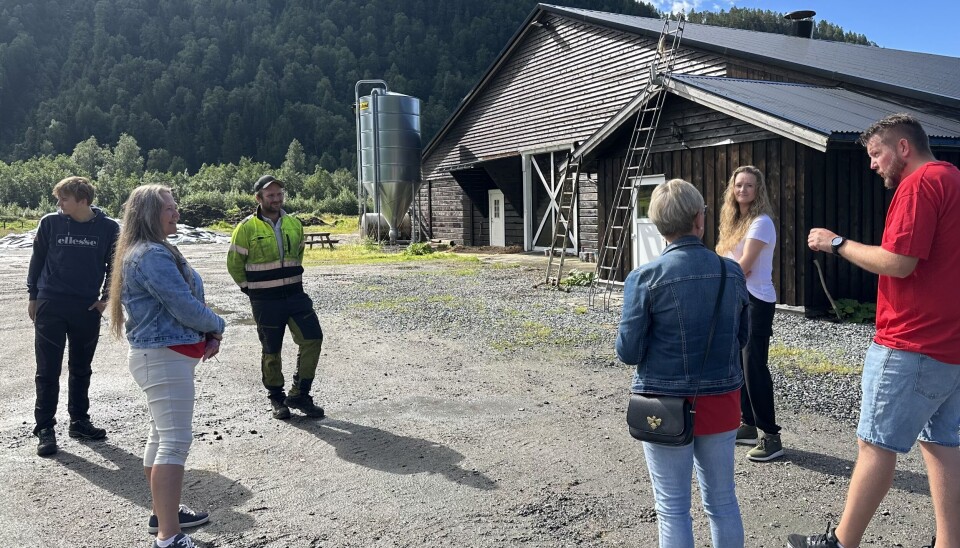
(577, 278)
(301, 205)
(344, 203)
(853, 311)
(418, 248)
(370, 244)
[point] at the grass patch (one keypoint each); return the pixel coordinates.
(536, 335)
(17, 226)
(529, 333)
(399, 303)
(810, 361)
(221, 226)
(505, 266)
(365, 253)
(336, 224)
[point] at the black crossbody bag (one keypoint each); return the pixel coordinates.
(668, 420)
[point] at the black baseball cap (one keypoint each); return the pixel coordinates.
(265, 181)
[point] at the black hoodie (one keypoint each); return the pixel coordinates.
(71, 260)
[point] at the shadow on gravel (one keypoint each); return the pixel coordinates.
(382, 450)
(910, 482)
(202, 489)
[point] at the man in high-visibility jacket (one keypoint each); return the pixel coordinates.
(265, 259)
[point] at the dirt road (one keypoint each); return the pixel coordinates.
(477, 429)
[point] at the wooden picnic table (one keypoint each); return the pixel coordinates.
(319, 238)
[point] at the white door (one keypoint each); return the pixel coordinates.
(648, 244)
(497, 237)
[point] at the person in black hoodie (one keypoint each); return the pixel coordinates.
(72, 256)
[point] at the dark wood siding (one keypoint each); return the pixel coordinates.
(560, 84)
(688, 125)
(447, 209)
(848, 199)
(588, 219)
(748, 70)
(784, 165)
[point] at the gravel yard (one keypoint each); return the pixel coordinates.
(465, 408)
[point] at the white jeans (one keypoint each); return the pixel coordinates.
(166, 377)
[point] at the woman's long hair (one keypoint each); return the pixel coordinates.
(141, 225)
(733, 224)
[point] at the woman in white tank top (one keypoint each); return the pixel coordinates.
(748, 236)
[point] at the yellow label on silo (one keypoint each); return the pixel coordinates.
(364, 105)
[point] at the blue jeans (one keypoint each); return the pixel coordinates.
(670, 469)
(906, 397)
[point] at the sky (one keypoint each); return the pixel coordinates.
(928, 26)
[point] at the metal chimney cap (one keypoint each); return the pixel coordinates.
(800, 14)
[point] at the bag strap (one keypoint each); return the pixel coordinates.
(713, 326)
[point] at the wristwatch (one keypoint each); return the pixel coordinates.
(837, 243)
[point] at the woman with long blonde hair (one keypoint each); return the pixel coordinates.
(748, 236)
(159, 304)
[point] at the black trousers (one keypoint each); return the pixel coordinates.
(273, 317)
(756, 398)
(56, 324)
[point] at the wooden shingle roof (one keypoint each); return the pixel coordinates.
(826, 113)
(926, 76)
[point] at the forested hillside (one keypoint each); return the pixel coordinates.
(772, 21)
(213, 81)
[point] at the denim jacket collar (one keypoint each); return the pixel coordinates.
(683, 241)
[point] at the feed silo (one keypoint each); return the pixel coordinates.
(388, 152)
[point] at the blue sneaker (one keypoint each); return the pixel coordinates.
(180, 541)
(188, 518)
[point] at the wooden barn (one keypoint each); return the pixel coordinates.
(578, 80)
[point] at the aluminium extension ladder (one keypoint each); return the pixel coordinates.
(610, 252)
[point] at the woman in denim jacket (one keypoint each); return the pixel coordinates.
(667, 310)
(170, 330)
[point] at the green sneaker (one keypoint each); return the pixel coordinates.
(768, 448)
(747, 435)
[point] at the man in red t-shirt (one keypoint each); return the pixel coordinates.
(911, 374)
